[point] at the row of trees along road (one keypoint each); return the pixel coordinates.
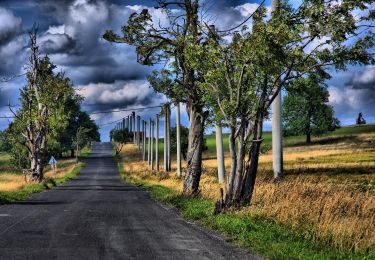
(49, 121)
(236, 80)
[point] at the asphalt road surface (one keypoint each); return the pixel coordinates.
(97, 216)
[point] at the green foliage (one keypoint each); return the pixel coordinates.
(120, 137)
(63, 117)
(4, 142)
(184, 133)
(305, 109)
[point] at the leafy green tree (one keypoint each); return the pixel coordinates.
(305, 109)
(120, 137)
(184, 140)
(77, 119)
(49, 104)
(4, 143)
(243, 77)
(184, 133)
(177, 80)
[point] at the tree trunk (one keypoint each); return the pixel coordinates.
(251, 168)
(243, 174)
(194, 154)
(233, 156)
(36, 169)
(308, 137)
(239, 175)
(72, 154)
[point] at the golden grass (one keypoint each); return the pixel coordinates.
(319, 198)
(12, 181)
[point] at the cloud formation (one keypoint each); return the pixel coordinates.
(10, 26)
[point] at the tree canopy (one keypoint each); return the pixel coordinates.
(305, 109)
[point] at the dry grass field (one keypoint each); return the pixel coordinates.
(328, 193)
(11, 180)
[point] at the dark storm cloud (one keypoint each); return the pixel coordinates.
(352, 92)
(56, 43)
(364, 79)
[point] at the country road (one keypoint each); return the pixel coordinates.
(97, 216)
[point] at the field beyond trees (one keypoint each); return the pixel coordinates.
(326, 201)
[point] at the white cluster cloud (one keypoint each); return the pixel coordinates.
(119, 93)
(12, 43)
(10, 25)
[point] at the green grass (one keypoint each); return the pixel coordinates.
(343, 133)
(24, 193)
(259, 235)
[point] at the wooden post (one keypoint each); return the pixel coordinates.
(144, 139)
(157, 143)
(149, 142)
(165, 139)
(152, 145)
(277, 143)
(123, 123)
(178, 137)
(220, 153)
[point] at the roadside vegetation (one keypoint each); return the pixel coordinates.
(49, 122)
(13, 184)
(324, 208)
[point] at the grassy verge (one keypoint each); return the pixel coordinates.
(258, 234)
(48, 183)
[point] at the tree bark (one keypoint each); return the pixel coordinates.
(233, 156)
(194, 154)
(308, 137)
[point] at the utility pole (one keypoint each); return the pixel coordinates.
(152, 145)
(149, 142)
(138, 132)
(220, 153)
(168, 137)
(165, 139)
(178, 135)
(134, 127)
(143, 140)
(157, 142)
(277, 143)
(130, 124)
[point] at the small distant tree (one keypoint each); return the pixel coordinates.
(4, 143)
(360, 120)
(184, 140)
(120, 137)
(81, 138)
(306, 110)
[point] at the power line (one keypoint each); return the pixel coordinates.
(124, 110)
(245, 21)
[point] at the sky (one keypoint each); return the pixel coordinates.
(108, 75)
